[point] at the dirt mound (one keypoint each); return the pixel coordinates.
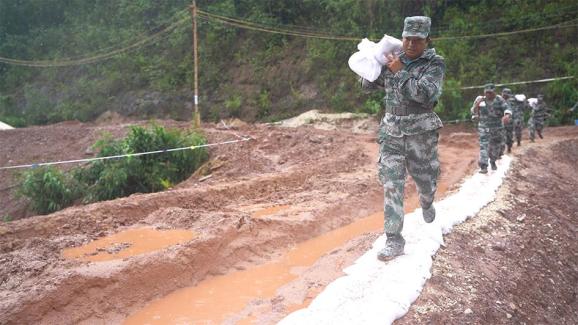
(358, 122)
(516, 261)
(110, 117)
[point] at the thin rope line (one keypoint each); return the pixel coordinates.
(560, 25)
(124, 155)
(522, 82)
(272, 30)
(260, 27)
(97, 58)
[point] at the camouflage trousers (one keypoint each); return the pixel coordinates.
(518, 126)
(491, 143)
(418, 154)
(535, 125)
(503, 142)
(509, 130)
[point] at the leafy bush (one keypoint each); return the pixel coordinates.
(109, 179)
(371, 106)
(49, 190)
(233, 105)
(264, 104)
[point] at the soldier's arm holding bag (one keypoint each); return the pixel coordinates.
(427, 86)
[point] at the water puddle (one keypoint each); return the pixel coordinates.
(269, 211)
(128, 243)
(216, 298)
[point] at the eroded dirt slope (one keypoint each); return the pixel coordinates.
(517, 261)
(323, 180)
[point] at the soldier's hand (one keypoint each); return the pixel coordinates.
(475, 118)
(506, 119)
(394, 63)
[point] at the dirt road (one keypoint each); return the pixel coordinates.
(278, 219)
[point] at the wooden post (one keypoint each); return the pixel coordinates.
(196, 114)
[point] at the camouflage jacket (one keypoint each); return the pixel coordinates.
(491, 112)
(518, 108)
(540, 112)
(417, 85)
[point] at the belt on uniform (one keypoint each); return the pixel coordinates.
(407, 110)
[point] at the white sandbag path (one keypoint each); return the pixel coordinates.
(373, 292)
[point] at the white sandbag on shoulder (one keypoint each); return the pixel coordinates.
(367, 62)
(520, 97)
(533, 102)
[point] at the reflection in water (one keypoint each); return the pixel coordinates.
(128, 243)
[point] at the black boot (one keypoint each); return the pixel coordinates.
(519, 143)
(429, 214)
(483, 169)
(509, 148)
(493, 163)
(540, 134)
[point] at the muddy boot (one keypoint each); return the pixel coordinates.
(429, 214)
(393, 247)
(494, 167)
(519, 142)
(540, 134)
(483, 169)
(509, 149)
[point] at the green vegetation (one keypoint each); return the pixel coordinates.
(50, 190)
(261, 76)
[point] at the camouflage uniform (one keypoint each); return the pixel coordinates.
(509, 127)
(518, 107)
(537, 118)
(490, 130)
(408, 135)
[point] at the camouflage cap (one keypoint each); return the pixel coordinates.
(490, 87)
(507, 91)
(416, 26)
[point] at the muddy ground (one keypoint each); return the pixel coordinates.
(515, 262)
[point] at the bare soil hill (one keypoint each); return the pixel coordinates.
(295, 205)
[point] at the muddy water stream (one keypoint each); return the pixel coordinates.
(216, 298)
(128, 243)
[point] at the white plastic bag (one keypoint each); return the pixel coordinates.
(367, 62)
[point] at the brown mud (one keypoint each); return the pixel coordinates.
(289, 209)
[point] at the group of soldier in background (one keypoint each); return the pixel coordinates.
(500, 118)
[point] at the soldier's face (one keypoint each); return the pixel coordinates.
(414, 46)
(490, 95)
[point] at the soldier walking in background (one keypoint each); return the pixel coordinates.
(408, 135)
(489, 111)
(519, 106)
(509, 126)
(540, 112)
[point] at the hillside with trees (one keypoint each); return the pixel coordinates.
(135, 57)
